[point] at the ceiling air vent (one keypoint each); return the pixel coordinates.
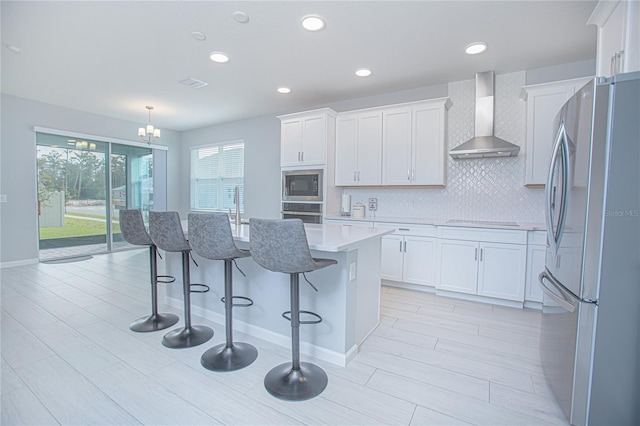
(194, 83)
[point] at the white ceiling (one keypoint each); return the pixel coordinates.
(113, 58)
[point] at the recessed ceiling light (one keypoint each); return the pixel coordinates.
(284, 90)
(14, 49)
(219, 57)
(363, 72)
(241, 17)
(312, 23)
(475, 48)
(197, 35)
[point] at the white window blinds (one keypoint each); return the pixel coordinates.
(215, 172)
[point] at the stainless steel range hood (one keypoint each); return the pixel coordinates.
(484, 144)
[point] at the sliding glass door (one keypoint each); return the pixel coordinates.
(82, 186)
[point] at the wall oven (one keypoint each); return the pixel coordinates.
(308, 212)
(302, 185)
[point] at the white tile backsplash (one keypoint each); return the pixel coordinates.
(477, 189)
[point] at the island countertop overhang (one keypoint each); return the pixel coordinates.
(322, 237)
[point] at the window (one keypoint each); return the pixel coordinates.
(215, 172)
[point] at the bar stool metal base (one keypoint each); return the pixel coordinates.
(283, 382)
(153, 323)
(229, 358)
(187, 337)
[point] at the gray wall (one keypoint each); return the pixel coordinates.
(18, 216)
(261, 136)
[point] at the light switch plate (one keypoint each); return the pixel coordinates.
(373, 204)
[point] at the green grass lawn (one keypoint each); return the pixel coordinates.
(74, 227)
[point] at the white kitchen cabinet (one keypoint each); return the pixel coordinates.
(413, 143)
(543, 104)
(618, 46)
(305, 136)
(482, 262)
(536, 252)
(359, 148)
(409, 254)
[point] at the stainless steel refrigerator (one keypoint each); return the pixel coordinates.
(590, 330)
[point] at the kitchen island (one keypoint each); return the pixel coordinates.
(348, 297)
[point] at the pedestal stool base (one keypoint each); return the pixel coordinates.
(296, 385)
(187, 337)
(153, 323)
(229, 358)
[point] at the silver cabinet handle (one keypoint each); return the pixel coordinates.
(476, 255)
(302, 156)
(481, 254)
(404, 229)
(408, 174)
(358, 175)
(405, 246)
(354, 175)
(413, 174)
(400, 246)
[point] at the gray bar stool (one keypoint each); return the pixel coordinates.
(166, 232)
(210, 237)
(134, 232)
(280, 245)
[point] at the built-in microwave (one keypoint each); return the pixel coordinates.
(302, 185)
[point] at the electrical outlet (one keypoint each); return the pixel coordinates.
(373, 204)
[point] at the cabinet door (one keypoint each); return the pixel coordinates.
(290, 142)
(543, 105)
(535, 265)
(396, 142)
(458, 266)
(419, 260)
(392, 247)
(314, 139)
(428, 159)
(501, 271)
(346, 149)
(370, 148)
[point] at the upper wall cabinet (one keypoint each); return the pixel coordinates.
(618, 25)
(305, 136)
(359, 148)
(543, 104)
(413, 143)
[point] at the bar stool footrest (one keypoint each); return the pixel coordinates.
(166, 279)
(287, 316)
(200, 288)
(248, 303)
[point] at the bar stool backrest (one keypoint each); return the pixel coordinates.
(166, 231)
(280, 245)
(133, 229)
(210, 236)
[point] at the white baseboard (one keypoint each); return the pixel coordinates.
(15, 263)
(262, 333)
(482, 299)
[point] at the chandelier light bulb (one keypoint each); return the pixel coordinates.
(148, 133)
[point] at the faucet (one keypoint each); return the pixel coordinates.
(236, 200)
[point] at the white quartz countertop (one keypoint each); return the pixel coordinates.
(324, 237)
(383, 220)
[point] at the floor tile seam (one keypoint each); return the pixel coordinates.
(479, 320)
(483, 382)
(369, 414)
(155, 382)
(447, 414)
(428, 332)
(542, 417)
(453, 369)
(436, 317)
(498, 362)
(46, 408)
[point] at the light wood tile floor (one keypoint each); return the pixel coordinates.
(68, 357)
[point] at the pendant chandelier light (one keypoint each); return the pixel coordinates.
(149, 133)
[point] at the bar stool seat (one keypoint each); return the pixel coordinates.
(210, 237)
(166, 232)
(134, 232)
(280, 245)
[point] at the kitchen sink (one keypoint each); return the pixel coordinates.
(483, 222)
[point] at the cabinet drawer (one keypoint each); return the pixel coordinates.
(509, 236)
(537, 237)
(411, 229)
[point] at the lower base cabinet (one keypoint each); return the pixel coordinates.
(409, 258)
(484, 268)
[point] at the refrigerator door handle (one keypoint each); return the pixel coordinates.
(559, 147)
(559, 296)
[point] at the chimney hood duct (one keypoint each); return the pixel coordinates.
(484, 144)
